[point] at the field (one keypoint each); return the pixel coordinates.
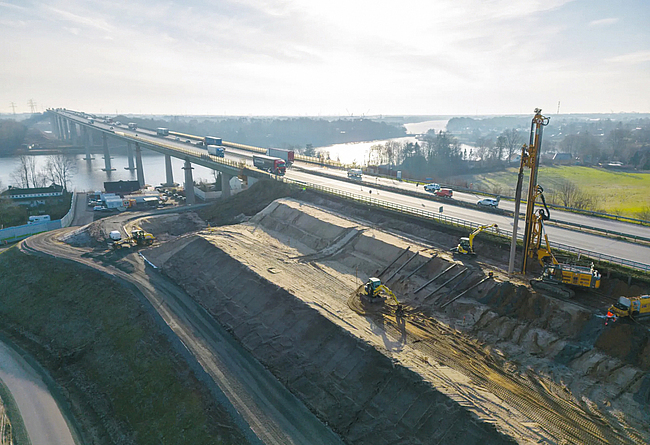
(620, 193)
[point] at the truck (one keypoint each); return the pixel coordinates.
(216, 150)
(162, 131)
(132, 126)
(444, 193)
(286, 155)
(631, 306)
(270, 164)
(211, 140)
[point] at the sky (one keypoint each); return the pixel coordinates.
(334, 57)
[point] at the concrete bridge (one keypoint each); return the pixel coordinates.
(79, 129)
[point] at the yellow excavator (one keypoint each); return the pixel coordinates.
(374, 289)
(466, 244)
(138, 237)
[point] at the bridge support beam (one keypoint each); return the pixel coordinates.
(86, 135)
(64, 129)
(129, 156)
(55, 128)
(107, 155)
(169, 172)
(189, 183)
(138, 164)
(225, 185)
(91, 139)
(68, 131)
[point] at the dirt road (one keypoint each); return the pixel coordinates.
(266, 410)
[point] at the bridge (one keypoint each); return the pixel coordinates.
(80, 129)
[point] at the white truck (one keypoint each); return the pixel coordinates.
(286, 155)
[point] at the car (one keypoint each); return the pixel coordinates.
(488, 202)
(188, 141)
(99, 209)
(444, 193)
(431, 187)
(177, 139)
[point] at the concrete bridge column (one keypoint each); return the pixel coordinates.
(85, 133)
(57, 124)
(68, 131)
(55, 128)
(107, 155)
(168, 170)
(138, 164)
(73, 133)
(64, 129)
(225, 185)
(129, 156)
(91, 137)
(189, 183)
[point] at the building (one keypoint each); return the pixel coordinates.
(32, 196)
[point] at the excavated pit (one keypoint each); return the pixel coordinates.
(497, 364)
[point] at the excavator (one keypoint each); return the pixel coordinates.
(374, 289)
(557, 278)
(466, 244)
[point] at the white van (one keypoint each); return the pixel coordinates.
(38, 219)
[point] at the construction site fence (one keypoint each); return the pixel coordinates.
(460, 223)
(17, 233)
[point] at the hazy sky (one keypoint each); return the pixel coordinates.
(340, 57)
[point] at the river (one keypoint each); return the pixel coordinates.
(90, 176)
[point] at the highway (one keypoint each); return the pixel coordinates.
(574, 238)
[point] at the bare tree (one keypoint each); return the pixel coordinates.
(25, 174)
(513, 141)
(60, 168)
(569, 195)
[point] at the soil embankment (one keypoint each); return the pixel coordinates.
(496, 355)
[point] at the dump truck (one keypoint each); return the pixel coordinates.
(286, 155)
(631, 306)
(270, 164)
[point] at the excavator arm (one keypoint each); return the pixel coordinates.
(387, 291)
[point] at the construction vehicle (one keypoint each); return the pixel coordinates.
(466, 244)
(374, 289)
(631, 306)
(556, 276)
(138, 238)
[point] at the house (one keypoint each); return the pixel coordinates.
(31, 196)
(562, 158)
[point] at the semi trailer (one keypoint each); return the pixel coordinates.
(216, 150)
(286, 155)
(270, 164)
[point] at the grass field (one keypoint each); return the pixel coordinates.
(126, 382)
(615, 192)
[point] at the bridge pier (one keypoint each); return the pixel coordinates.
(169, 172)
(73, 133)
(129, 156)
(138, 164)
(64, 129)
(85, 133)
(225, 185)
(107, 155)
(189, 183)
(55, 129)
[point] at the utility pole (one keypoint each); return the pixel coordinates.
(13, 107)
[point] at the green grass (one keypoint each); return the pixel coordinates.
(100, 343)
(620, 193)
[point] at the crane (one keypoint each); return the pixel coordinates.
(466, 244)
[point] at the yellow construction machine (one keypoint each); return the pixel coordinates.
(466, 244)
(631, 306)
(138, 238)
(556, 276)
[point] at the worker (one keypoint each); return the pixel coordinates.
(610, 317)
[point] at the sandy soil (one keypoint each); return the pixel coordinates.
(517, 361)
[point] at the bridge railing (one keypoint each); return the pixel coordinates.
(461, 223)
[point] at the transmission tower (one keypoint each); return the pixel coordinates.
(32, 105)
(558, 107)
(13, 107)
